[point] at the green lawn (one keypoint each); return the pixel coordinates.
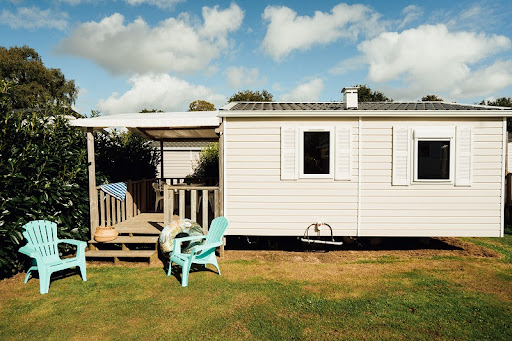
(264, 295)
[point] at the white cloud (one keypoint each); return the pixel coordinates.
(430, 59)
(163, 4)
(472, 12)
(159, 91)
(242, 76)
(175, 44)
(309, 91)
(32, 18)
(71, 2)
(486, 81)
(412, 12)
(287, 32)
(348, 65)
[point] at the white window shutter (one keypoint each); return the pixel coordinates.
(463, 151)
(401, 138)
(289, 146)
(343, 154)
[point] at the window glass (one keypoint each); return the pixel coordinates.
(316, 152)
(434, 160)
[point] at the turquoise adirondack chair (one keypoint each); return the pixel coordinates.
(200, 254)
(42, 246)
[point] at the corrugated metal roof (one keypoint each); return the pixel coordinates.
(377, 106)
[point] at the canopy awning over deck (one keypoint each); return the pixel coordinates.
(162, 126)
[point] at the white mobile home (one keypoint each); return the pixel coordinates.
(366, 169)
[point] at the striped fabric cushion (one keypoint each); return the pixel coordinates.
(117, 190)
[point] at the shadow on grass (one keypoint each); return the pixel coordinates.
(58, 275)
(295, 244)
(177, 270)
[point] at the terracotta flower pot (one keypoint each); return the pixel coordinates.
(105, 234)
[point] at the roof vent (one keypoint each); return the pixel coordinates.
(350, 97)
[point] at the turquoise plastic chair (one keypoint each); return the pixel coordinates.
(200, 254)
(42, 246)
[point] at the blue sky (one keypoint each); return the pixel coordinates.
(126, 55)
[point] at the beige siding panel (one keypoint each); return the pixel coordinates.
(389, 188)
(456, 231)
(426, 192)
(253, 138)
(178, 163)
(467, 199)
(272, 185)
(252, 152)
(488, 131)
(342, 208)
(418, 213)
(298, 219)
(251, 229)
(429, 209)
(443, 221)
(275, 123)
(259, 203)
(328, 193)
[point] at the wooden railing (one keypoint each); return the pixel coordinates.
(195, 202)
(139, 198)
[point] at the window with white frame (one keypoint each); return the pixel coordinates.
(432, 160)
(433, 154)
(316, 153)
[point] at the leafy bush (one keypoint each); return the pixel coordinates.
(207, 165)
(43, 172)
(122, 156)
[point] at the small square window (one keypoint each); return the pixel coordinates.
(433, 160)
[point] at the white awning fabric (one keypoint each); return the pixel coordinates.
(159, 126)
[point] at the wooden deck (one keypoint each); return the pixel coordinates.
(138, 237)
(144, 223)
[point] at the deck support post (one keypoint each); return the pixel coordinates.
(220, 131)
(161, 160)
(93, 194)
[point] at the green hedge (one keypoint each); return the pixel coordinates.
(43, 172)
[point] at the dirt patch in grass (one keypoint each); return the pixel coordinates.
(450, 247)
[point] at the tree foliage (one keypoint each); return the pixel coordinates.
(43, 167)
(145, 111)
(366, 94)
(201, 105)
(207, 165)
(432, 98)
(252, 96)
(500, 102)
(34, 86)
(123, 155)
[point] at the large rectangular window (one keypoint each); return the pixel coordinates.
(316, 153)
(433, 160)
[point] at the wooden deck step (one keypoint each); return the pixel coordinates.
(120, 254)
(138, 230)
(130, 240)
